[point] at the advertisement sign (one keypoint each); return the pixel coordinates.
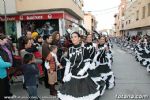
(33, 17)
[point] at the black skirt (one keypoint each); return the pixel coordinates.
(78, 89)
(98, 70)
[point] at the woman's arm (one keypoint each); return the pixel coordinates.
(4, 64)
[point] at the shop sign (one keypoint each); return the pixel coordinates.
(33, 17)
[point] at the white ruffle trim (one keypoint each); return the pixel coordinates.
(148, 68)
(111, 80)
(96, 79)
(79, 77)
(69, 97)
(67, 77)
(144, 62)
(96, 64)
(87, 60)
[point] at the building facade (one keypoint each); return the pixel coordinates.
(119, 19)
(116, 24)
(90, 22)
(137, 17)
(41, 15)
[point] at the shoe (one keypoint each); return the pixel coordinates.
(53, 91)
(102, 87)
(10, 94)
(24, 87)
(56, 83)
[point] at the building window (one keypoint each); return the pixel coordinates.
(149, 9)
(143, 12)
(129, 21)
(137, 15)
(122, 25)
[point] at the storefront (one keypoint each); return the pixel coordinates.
(11, 27)
(42, 23)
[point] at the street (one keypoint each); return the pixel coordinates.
(40, 35)
(131, 80)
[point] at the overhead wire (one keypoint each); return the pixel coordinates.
(102, 10)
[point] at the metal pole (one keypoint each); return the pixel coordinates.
(5, 17)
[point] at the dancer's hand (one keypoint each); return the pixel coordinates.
(67, 77)
(81, 72)
(47, 65)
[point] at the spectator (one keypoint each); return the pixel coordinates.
(45, 51)
(56, 41)
(3, 78)
(30, 71)
(6, 54)
(53, 63)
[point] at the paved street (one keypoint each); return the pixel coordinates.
(131, 79)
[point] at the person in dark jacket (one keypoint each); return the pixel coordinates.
(45, 51)
(30, 71)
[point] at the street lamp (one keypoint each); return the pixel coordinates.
(5, 17)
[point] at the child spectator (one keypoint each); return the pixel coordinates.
(30, 71)
(51, 67)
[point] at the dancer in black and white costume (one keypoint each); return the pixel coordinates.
(100, 67)
(142, 51)
(109, 53)
(77, 83)
(91, 47)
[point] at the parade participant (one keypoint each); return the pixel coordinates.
(91, 47)
(77, 83)
(100, 65)
(109, 52)
(30, 71)
(52, 65)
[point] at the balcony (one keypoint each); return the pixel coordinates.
(49, 5)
